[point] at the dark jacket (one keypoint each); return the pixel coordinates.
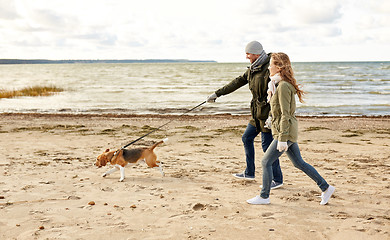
(258, 85)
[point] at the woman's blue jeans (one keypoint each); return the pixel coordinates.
(266, 138)
(294, 155)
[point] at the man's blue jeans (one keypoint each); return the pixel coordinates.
(293, 153)
(266, 139)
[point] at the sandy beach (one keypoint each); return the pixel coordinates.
(49, 188)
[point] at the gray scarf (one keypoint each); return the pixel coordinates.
(259, 61)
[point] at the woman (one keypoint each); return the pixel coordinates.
(281, 94)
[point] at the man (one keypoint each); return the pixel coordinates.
(257, 77)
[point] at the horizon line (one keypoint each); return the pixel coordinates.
(151, 60)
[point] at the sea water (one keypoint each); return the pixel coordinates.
(333, 88)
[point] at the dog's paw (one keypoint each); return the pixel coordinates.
(104, 175)
(121, 180)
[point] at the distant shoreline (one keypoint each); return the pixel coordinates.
(74, 61)
(171, 116)
(46, 61)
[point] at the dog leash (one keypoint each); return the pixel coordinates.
(154, 130)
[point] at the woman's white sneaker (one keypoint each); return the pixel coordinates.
(325, 196)
(258, 200)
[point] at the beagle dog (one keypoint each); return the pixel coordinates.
(121, 157)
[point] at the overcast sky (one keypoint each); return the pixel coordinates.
(307, 30)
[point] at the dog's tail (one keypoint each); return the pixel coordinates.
(158, 143)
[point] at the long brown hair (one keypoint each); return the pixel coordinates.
(282, 61)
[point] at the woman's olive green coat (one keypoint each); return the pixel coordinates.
(284, 122)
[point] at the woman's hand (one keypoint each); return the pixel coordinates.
(282, 146)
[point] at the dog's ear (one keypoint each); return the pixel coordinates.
(107, 150)
(104, 161)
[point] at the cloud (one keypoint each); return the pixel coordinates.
(8, 10)
(51, 20)
(309, 12)
(102, 38)
(382, 7)
(201, 29)
(30, 42)
(264, 7)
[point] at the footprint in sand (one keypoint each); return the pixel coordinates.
(198, 207)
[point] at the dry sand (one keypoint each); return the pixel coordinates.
(48, 182)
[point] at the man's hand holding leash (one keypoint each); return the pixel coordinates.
(212, 98)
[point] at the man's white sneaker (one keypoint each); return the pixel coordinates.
(258, 200)
(325, 196)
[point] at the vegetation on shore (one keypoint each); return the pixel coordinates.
(30, 91)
